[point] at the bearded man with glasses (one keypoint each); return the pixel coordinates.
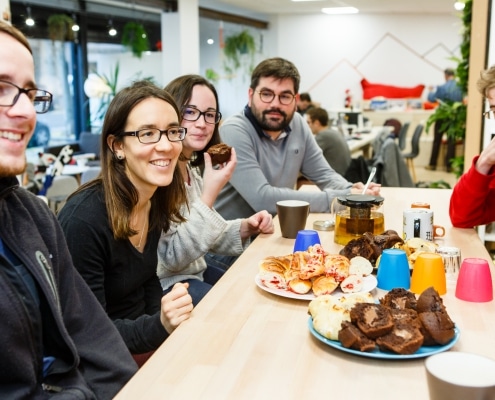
(472, 201)
(274, 146)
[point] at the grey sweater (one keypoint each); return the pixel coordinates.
(181, 250)
(267, 170)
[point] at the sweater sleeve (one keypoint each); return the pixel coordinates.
(471, 203)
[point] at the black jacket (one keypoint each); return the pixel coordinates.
(67, 322)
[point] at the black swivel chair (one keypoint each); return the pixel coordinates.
(414, 150)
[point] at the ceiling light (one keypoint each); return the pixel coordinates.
(111, 31)
(29, 19)
(75, 27)
(210, 41)
(339, 10)
(459, 5)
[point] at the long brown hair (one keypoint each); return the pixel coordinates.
(120, 194)
(181, 89)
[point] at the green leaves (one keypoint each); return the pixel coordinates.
(135, 38)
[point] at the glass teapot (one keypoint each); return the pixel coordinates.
(361, 213)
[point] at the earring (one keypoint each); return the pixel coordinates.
(119, 156)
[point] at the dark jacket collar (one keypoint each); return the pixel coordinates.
(7, 184)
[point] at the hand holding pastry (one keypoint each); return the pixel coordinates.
(214, 179)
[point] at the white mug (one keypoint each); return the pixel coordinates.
(418, 222)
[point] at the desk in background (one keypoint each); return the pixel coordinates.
(244, 343)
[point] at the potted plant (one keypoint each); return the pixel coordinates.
(135, 38)
(239, 50)
(60, 27)
(453, 114)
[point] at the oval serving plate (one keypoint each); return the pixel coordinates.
(424, 351)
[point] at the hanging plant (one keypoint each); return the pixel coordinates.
(212, 75)
(60, 27)
(238, 49)
(135, 38)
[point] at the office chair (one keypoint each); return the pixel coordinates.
(414, 150)
(89, 174)
(62, 186)
(403, 135)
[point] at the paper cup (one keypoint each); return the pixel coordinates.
(428, 271)
(292, 215)
(393, 270)
(306, 238)
(460, 376)
(474, 282)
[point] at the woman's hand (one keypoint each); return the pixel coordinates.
(261, 222)
(214, 179)
(176, 307)
(486, 159)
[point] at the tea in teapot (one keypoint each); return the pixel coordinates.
(362, 214)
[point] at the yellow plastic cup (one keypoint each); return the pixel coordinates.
(428, 271)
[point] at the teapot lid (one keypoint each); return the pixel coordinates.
(360, 200)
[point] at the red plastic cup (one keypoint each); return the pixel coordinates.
(475, 281)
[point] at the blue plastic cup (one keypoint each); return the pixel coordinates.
(393, 270)
(306, 238)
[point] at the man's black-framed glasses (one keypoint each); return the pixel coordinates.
(267, 96)
(10, 93)
(153, 135)
(489, 114)
(190, 113)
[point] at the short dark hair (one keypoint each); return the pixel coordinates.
(278, 68)
(181, 89)
(318, 114)
(449, 72)
(305, 97)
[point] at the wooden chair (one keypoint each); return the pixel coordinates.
(414, 150)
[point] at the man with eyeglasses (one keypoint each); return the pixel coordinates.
(472, 202)
(274, 146)
(55, 338)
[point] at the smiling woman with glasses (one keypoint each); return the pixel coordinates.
(10, 93)
(121, 214)
(204, 230)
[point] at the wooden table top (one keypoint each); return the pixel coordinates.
(245, 343)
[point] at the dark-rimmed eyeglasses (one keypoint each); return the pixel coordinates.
(153, 135)
(267, 96)
(10, 93)
(489, 114)
(193, 114)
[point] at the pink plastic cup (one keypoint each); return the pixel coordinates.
(475, 281)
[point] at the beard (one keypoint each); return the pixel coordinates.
(9, 170)
(269, 124)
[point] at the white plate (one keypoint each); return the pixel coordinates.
(424, 351)
(369, 283)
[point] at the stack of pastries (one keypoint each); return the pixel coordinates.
(398, 324)
(315, 270)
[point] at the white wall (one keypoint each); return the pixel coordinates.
(334, 53)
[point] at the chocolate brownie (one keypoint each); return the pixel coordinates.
(220, 153)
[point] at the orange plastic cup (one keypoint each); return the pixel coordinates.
(428, 271)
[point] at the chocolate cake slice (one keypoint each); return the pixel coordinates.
(352, 338)
(403, 339)
(374, 320)
(220, 153)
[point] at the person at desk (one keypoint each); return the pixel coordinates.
(472, 202)
(56, 339)
(304, 103)
(182, 250)
(333, 144)
(274, 146)
(113, 223)
(448, 92)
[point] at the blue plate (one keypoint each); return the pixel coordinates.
(424, 351)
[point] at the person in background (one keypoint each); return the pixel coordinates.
(56, 339)
(448, 92)
(304, 103)
(335, 148)
(113, 223)
(472, 201)
(274, 146)
(182, 249)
